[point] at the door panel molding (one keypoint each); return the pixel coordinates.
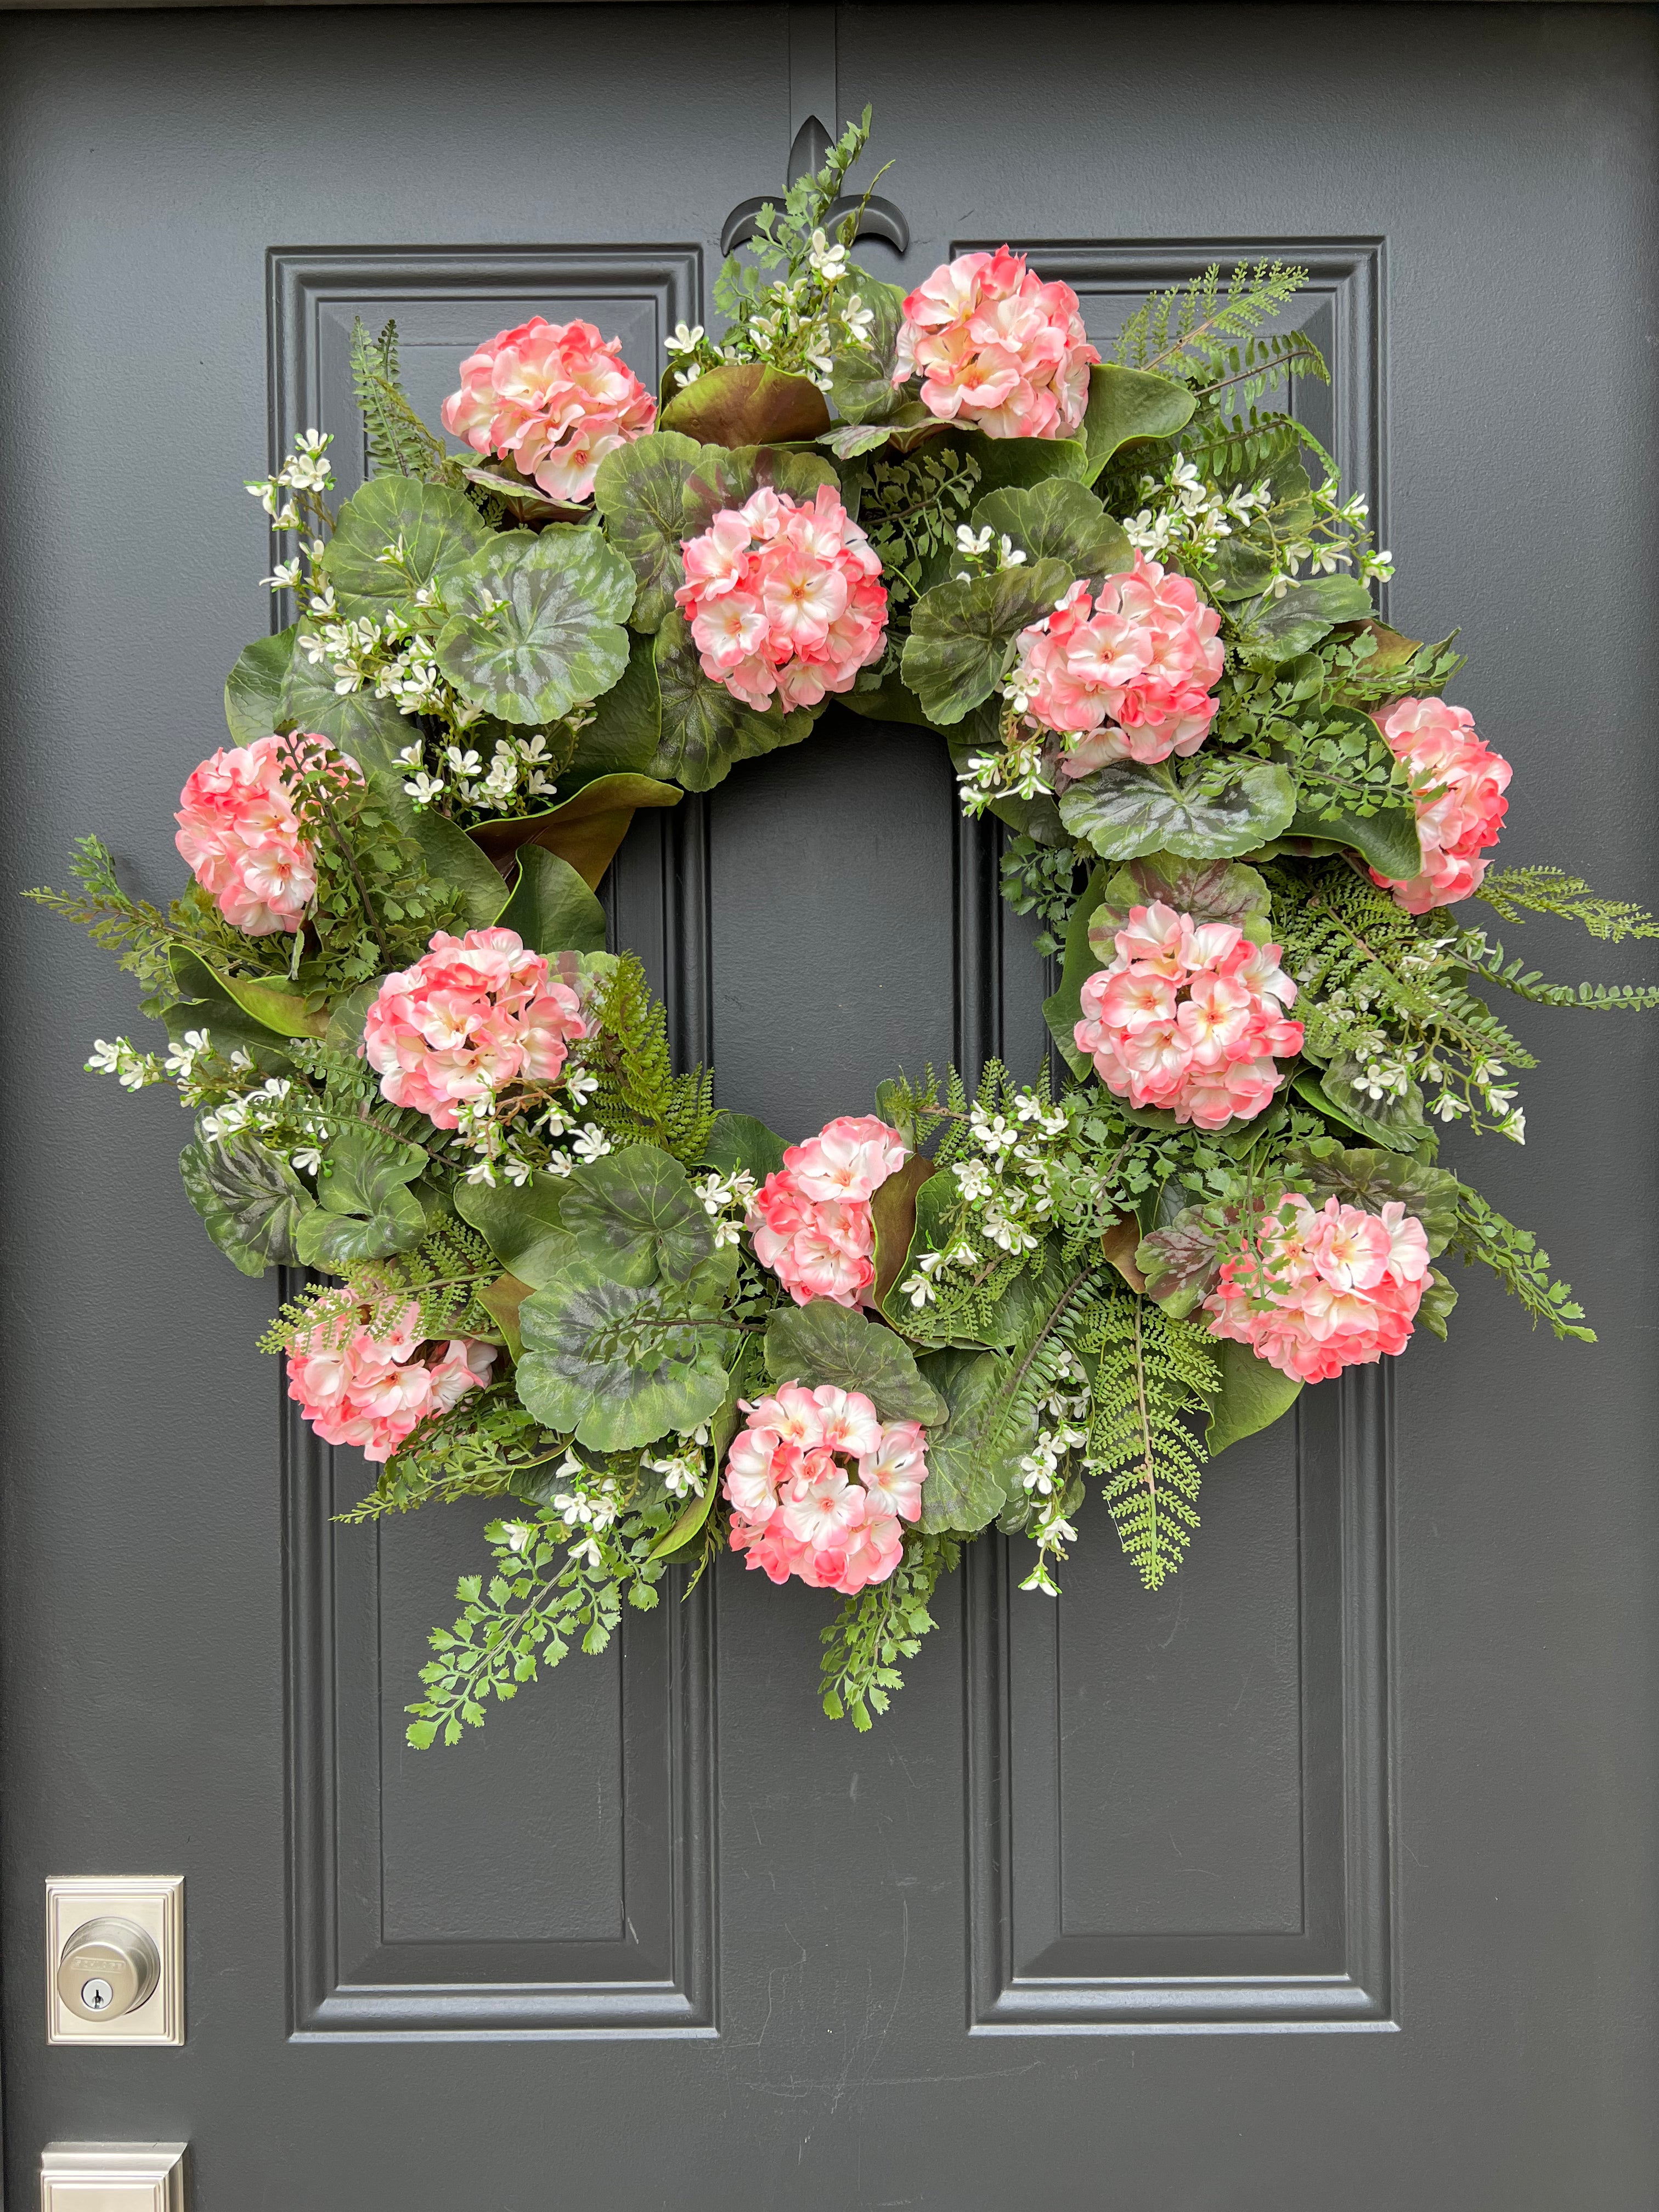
(347, 1978)
(1032, 1973)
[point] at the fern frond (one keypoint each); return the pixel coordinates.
(639, 1099)
(883, 1624)
(399, 442)
(1487, 959)
(443, 1274)
(1518, 892)
(1248, 372)
(1183, 331)
(1152, 1375)
(1519, 1263)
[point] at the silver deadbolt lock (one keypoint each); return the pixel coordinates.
(109, 1966)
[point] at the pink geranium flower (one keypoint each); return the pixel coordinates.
(820, 1488)
(1324, 1290)
(552, 397)
(810, 1223)
(1126, 675)
(471, 1016)
(784, 599)
(374, 1388)
(1190, 1017)
(1459, 784)
(997, 348)
(243, 840)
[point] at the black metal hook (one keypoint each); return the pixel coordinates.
(881, 218)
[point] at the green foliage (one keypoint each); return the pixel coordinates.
(442, 1274)
(535, 620)
(910, 510)
(640, 1098)
(1154, 1374)
(485, 1446)
(1516, 1257)
(706, 729)
(963, 632)
(252, 1203)
(141, 937)
(1367, 668)
(1042, 879)
(883, 1624)
(365, 1208)
(397, 537)
(1209, 808)
(823, 1342)
(1518, 892)
(619, 1365)
(1488, 960)
(399, 442)
(1201, 333)
(782, 237)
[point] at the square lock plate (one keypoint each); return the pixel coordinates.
(157, 1904)
(113, 2177)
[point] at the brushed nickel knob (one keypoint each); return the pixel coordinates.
(108, 1967)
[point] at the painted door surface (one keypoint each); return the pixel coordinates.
(1327, 1876)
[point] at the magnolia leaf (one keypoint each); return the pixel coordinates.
(1127, 809)
(1062, 521)
(1279, 629)
(370, 730)
(1253, 1395)
(1179, 1262)
(738, 1144)
(747, 403)
(725, 478)
(974, 1463)
(620, 1364)
(1209, 891)
(640, 490)
(528, 502)
(861, 383)
(551, 908)
(1064, 1010)
(1306, 1085)
(203, 1002)
(1438, 1300)
(913, 426)
(585, 830)
(535, 622)
(706, 731)
(893, 1209)
(1122, 1245)
(634, 1213)
(743, 1382)
(250, 1200)
(823, 1342)
(432, 528)
(1361, 1176)
(285, 1011)
(253, 688)
(623, 735)
(1388, 841)
(501, 1300)
(1007, 461)
(961, 633)
(1129, 403)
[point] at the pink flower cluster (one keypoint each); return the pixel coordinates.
(796, 1509)
(555, 399)
(1130, 671)
(473, 1014)
(1189, 1016)
(810, 1222)
(358, 1386)
(1468, 782)
(784, 596)
(997, 348)
(1342, 1286)
(242, 839)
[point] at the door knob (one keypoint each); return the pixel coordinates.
(109, 1966)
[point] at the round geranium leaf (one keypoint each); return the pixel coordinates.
(862, 385)
(1209, 891)
(395, 537)
(823, 1342)
(961, 633)
(706, 731)
(535, 622)
(725, 478)
(371, 730)
(1060, 519)
(253, 688)
(1126, 809)
(621, 1365)
(640, 490)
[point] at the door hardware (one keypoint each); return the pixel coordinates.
(100, 2177)
(115, 1959)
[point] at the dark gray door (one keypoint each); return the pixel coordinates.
(1326, 1876)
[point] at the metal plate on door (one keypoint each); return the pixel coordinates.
(113, 2177)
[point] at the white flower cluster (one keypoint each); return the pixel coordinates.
(285, 1120)
(519, 1145)
(1018, 771)
(121, 1058)
(1339, 538)
(798, 324)
(1004, 1182)
(307, 470)
(985, 553)
(1185, 519)
(195, 1064)
(589, 1503)
(1390, 1064)
(517, 772)
(684, 1471)
(392, 656)
(725, 1200)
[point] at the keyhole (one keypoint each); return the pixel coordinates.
(95, 1995)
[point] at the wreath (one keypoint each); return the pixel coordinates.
(1128, 594)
